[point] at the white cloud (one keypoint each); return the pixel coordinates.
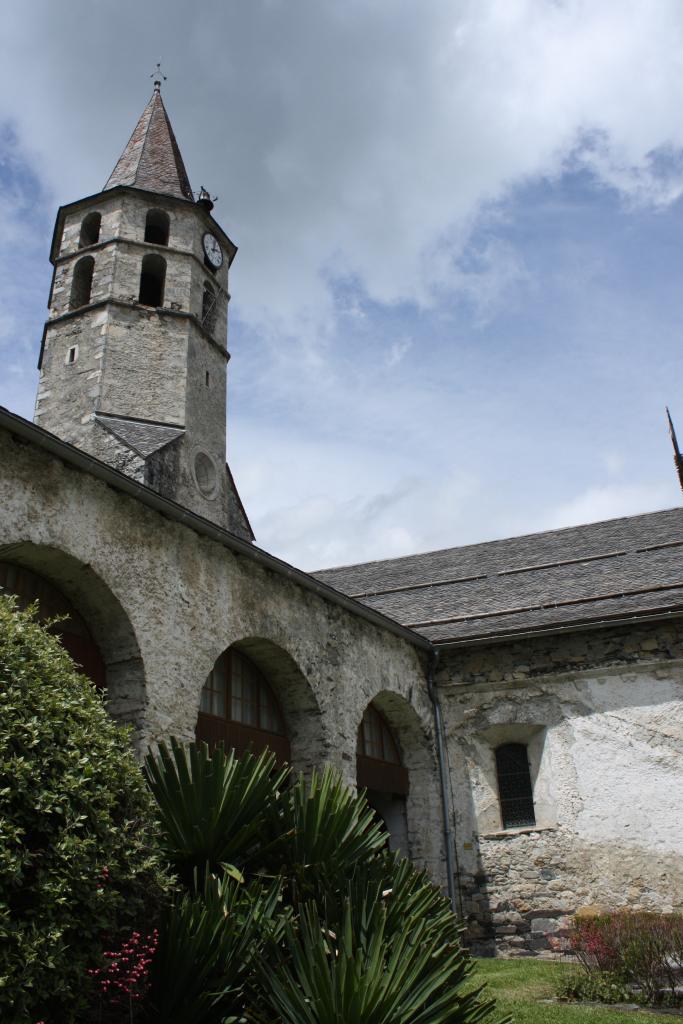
(366, 157)
(611, 501)
(356, 139)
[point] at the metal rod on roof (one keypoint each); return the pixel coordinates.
(678, 458)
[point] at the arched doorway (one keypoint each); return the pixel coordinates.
(72, 631)
(381, 772)
(239, 709)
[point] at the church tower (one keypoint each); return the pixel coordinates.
(133, 363)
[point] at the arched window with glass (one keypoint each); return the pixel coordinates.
(515, 790)
(379, 765)
(239, 709)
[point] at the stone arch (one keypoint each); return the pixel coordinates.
(413, 815)
(105, 618)
(295, 698)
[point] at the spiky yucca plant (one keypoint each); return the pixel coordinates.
(369, 974)
(330, 929)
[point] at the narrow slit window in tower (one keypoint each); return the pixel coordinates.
(152, 279)
(90, 230)
(157, 227)
(81, 282)
(514, 786)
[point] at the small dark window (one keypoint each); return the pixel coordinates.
(152, 279)
(72, 354)
(206, 379)
(208, 308)
(157, 227)
(514, 786)
(81, 282)
(90, 230)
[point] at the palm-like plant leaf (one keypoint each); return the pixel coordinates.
(207, 946)
(325, 829)
(335, 977)
(212, 806)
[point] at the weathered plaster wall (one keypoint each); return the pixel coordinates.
(602, 714)
(176, 600)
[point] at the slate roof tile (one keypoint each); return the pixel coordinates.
(151, 159)
(605, 570)
(142, 437)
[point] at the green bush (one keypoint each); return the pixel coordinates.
(79, 867)
(643, 951)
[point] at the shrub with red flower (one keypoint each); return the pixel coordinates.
(123, 978)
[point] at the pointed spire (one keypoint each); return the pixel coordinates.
(152, 160)
(678, 458)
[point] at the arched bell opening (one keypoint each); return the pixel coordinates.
(381, 773)
(152, 280)
(157, 227)
(263, 700)
(81, 282)
(96, 632)
(90, 229)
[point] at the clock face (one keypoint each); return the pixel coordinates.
(213, 251)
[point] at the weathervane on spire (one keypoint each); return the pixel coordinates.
(678, 458)
(158, 77)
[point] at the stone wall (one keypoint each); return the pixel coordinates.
(135, 361)
(601, 714)
(163, 602)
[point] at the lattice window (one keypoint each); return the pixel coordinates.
(514, 786)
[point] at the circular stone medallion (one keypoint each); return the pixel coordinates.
(205, 475)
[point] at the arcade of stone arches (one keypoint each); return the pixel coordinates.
(239, 705)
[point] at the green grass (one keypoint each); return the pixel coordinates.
(520, 986)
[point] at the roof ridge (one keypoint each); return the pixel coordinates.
(494, 540)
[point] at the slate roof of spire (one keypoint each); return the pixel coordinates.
(570, 577)
(151, 159)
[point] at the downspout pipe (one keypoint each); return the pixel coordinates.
(443, 776)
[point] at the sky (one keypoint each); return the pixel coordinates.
(456, 306)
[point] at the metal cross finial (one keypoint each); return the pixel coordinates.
(158, 77)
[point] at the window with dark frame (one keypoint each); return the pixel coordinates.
(514, 786)
(375, 739)
(239, 709)
(379, 765)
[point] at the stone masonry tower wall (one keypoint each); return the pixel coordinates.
(134, 356)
